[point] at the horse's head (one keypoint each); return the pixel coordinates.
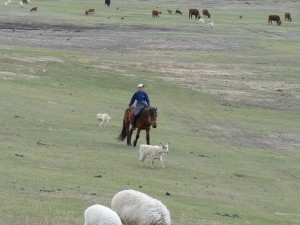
(153, 116)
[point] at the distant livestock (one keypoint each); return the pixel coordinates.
(201, 20)
(103, 119)
(194, 12)
(101, 215)
(21, 4)
(211, 24)
(107, 3)
(26, 2)
(33, 9)
(155, 13)
(206, 13)
(274, 18)
(169, 11)
(90, 11)
(153, 152)
(287, 17)
(178, 12)
(137, 208)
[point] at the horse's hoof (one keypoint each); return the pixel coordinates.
(129, 144)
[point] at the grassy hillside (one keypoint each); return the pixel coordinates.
(227, 99)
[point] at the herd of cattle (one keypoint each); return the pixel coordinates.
(192, 12)
(287, 17)
(156, 13)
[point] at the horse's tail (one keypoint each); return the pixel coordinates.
(122, 135)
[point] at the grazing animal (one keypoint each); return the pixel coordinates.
(194, 12)
(33, 9)
(169, 11)
(137, 208)
(101, 215)
(211, 24)
(21, 4)
(103, 119)
(274, 18)
(153, 152)
(287, 17)
(206, 13)
(201, 20)
(178, 12)
(26, 2)
(91, 11)
(107, 3)
(155, 13)
(144, 120)
(5, 3)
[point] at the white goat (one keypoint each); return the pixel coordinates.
(211, 24)
(153, 152)
(21, 4)
(201, 20)
(101, 215)
(103, 119)
(137, 208)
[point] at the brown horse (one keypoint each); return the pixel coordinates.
(146, 118)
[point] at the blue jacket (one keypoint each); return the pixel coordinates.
(141, 99)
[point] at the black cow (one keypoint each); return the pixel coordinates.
(107, 3)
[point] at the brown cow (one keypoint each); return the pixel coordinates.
(26, 2)
(155, 13)
(194, 12)
(178, 12)
(89, 11)
(274, 18)
(287, 16)
(205, 13)
(33, 9)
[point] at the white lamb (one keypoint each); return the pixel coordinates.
(153, 152)
(101, 215)
(103, 119)
(137, 208)
(211, 24)
(201, 20)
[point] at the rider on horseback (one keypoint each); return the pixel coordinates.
(142, 101)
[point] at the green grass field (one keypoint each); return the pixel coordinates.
(230, 110)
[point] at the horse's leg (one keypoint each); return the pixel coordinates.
(128, 134)
(148, 136)
(137, 136)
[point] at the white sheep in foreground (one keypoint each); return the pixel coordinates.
(201, 20)
(103, 119)
(153, 152)
(211, 24)
(101, 215)
(136, 208)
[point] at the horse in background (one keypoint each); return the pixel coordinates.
(146, 118)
